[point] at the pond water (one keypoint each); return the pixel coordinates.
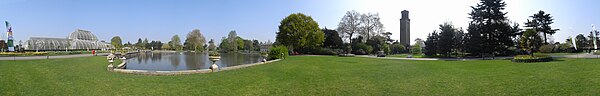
(169, 61)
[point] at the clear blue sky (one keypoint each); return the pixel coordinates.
(258, 19)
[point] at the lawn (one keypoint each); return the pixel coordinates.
(310, 75)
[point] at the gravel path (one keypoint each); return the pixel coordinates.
(49, 57)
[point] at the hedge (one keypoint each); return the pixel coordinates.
(530, 59)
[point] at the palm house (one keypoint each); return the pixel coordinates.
(78, 40)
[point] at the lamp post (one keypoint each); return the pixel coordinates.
(594, 38)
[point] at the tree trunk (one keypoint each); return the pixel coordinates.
(350, 44)
(545, 39)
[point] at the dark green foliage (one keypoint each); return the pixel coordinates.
(541, 23)
(490, 29)
(156, 45)
(446, 39)
(332, 39)
(377, 43)
(431, 44)
(324, 51)
(256, 45)
(581, 41)
(139, 44)
(445, 43)
(211, 45)
(361, 48)
(248, 45)
(397, 48)
(278, 52)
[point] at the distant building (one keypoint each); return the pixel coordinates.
(405, 29)
(266, 46)
(78, 40)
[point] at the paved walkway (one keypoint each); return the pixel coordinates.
(49, 57)
(584, 55)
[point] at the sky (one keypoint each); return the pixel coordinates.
(259, 19)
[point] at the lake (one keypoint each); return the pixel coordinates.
(169, 61)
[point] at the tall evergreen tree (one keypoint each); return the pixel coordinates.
(431, 44)
(490, 23)
(459, 41)
(446, 39)
(541, 23)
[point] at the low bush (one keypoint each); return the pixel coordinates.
(361, 49)
(546, 48)
(277, 51)
(359, 52)
(324, 51)
(531, 59)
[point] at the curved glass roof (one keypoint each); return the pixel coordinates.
(78, 40)
(83, 35)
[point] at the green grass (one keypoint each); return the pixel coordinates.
(310, 75)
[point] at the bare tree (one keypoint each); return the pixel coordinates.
(370, 25)
(349, 26)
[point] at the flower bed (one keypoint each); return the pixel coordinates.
(23, 54)
(530, 59)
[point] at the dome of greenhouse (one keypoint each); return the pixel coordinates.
(83, 35)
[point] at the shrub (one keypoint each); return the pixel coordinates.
(531, 59)
(386, 49)
(359, 52)
(213, 53)
(361, 49)
(276, 51)
(547, 48)
(397, 48)
(324, 51)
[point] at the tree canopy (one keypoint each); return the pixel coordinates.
(175, 43)
(489, 29)
(332, 39)
(116, 41)
(541, 23)
(300, 33)
(195, 40)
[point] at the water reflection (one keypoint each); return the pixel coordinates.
(190, 60)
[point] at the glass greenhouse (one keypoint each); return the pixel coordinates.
(78, 40)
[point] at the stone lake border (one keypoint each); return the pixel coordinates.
(120, 69)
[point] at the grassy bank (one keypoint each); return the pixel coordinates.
(310, 75)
